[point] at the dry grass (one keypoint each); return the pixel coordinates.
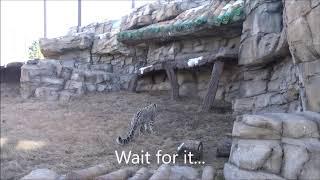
(81, 133)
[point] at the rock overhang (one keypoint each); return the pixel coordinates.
(216, 19)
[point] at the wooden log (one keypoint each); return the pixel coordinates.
(213, 85)
(195, 147)
(142, 174)
(89, 173)
(133, 83)
(122, 174)
(173, 81)
(163, 172)
(208, 173)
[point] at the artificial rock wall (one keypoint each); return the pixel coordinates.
(280, 48)
(64, 79)
(275, 146)
(96, 45)
(276, 69)
(303, 28)
(276, 45)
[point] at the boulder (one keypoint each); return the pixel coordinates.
(90, 87)
(243, 105)
(257, 154)
(96, 77)
(68, 63)
(47, 93)
(101, 87)
(252, 88)
(77, 75)
(260, 74)
(66, 95)
(66, 73)
(108, 44)
(103, 67)
(29, 72)
(303, 30)
(263, 38)
(52, 81)
(294, 159)
(78, 87)
(300, 41)
(55, 47)
(295, 126)
(232, 172)
(27, 89)
(312, 95)
(312, 116)
(262, 121)
(311, 168)
(243, 130)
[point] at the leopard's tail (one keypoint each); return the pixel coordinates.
(123, 141)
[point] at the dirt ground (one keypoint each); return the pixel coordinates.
(81, 133)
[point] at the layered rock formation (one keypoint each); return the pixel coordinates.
(303, 27)
(64, 79)
(270, 49)
(275, 146)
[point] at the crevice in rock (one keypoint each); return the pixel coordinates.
(308, 160)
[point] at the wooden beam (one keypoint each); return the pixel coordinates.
(79, 15)
(213, 86)
(45, 18)
(173, 81)
(133, 4)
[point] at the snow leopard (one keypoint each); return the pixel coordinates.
(142, 120)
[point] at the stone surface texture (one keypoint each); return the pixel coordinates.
(272, 61)
(271, 72)
(263, 35)
(64, 79)
(290, 152)
(301, 19)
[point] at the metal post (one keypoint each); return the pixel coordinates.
(45, 18)
(79, 14)
(132, 4)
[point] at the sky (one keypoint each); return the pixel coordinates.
(22, 21)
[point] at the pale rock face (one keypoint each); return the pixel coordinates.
(107, 43)
(304, 42)
(54, 48)
(270, 80)
(262, 34)
(303, 30)
(294, 154)
(232, 172)
(39, 174)
(295, 157)
(156, 12)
